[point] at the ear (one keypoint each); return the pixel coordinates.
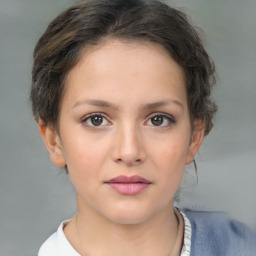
(196, 140)
(53, 143)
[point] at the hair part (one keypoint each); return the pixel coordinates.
(90, 22)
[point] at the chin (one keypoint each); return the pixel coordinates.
(128, 220)
(129, 215)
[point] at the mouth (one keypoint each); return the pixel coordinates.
(128, 185)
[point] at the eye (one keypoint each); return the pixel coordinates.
(160, 120)
(95, 120)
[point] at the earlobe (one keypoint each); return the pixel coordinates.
(196, 140)
(53, 143)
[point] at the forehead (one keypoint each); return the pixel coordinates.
(125, 67)
(129, 51)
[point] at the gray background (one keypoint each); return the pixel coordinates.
(35, 196)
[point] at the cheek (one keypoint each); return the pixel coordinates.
(84, 156)
(169, 160)
(171, 155)
(172, 165)
(84, 161)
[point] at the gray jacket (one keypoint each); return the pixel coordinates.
(214, 234)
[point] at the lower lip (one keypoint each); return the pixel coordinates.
(128, 188)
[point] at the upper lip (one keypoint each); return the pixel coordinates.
(126, 179)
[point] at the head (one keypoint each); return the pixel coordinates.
(90, 23)
(114, 53)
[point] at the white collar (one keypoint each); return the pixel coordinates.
(58, 244)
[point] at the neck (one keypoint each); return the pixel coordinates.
(91, 234)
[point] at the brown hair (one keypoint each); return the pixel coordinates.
(89, 22)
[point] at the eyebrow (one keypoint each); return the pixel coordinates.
(98, 103)
(162, 103)
(105, 104)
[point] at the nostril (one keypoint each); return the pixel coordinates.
(128, 151)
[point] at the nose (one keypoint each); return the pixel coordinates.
(128, 146)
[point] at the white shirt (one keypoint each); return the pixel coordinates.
(58, 245)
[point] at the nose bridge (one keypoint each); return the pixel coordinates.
(129, 144)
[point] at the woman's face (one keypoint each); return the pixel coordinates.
(124, 130)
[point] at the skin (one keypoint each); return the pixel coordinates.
(123, 81)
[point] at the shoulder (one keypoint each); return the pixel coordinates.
(214, 233)
(57, 244)
(49, 247)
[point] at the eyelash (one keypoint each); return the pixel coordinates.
(170, 120)
(90, 116)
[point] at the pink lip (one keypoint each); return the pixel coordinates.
(128, 185)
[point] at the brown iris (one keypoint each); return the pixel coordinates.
(157, 120)
(97, 120)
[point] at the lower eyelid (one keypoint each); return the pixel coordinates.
(166, 118)
(170, 119)
(87, 117)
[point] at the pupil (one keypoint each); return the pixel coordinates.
(97, 120)
(157, 120)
